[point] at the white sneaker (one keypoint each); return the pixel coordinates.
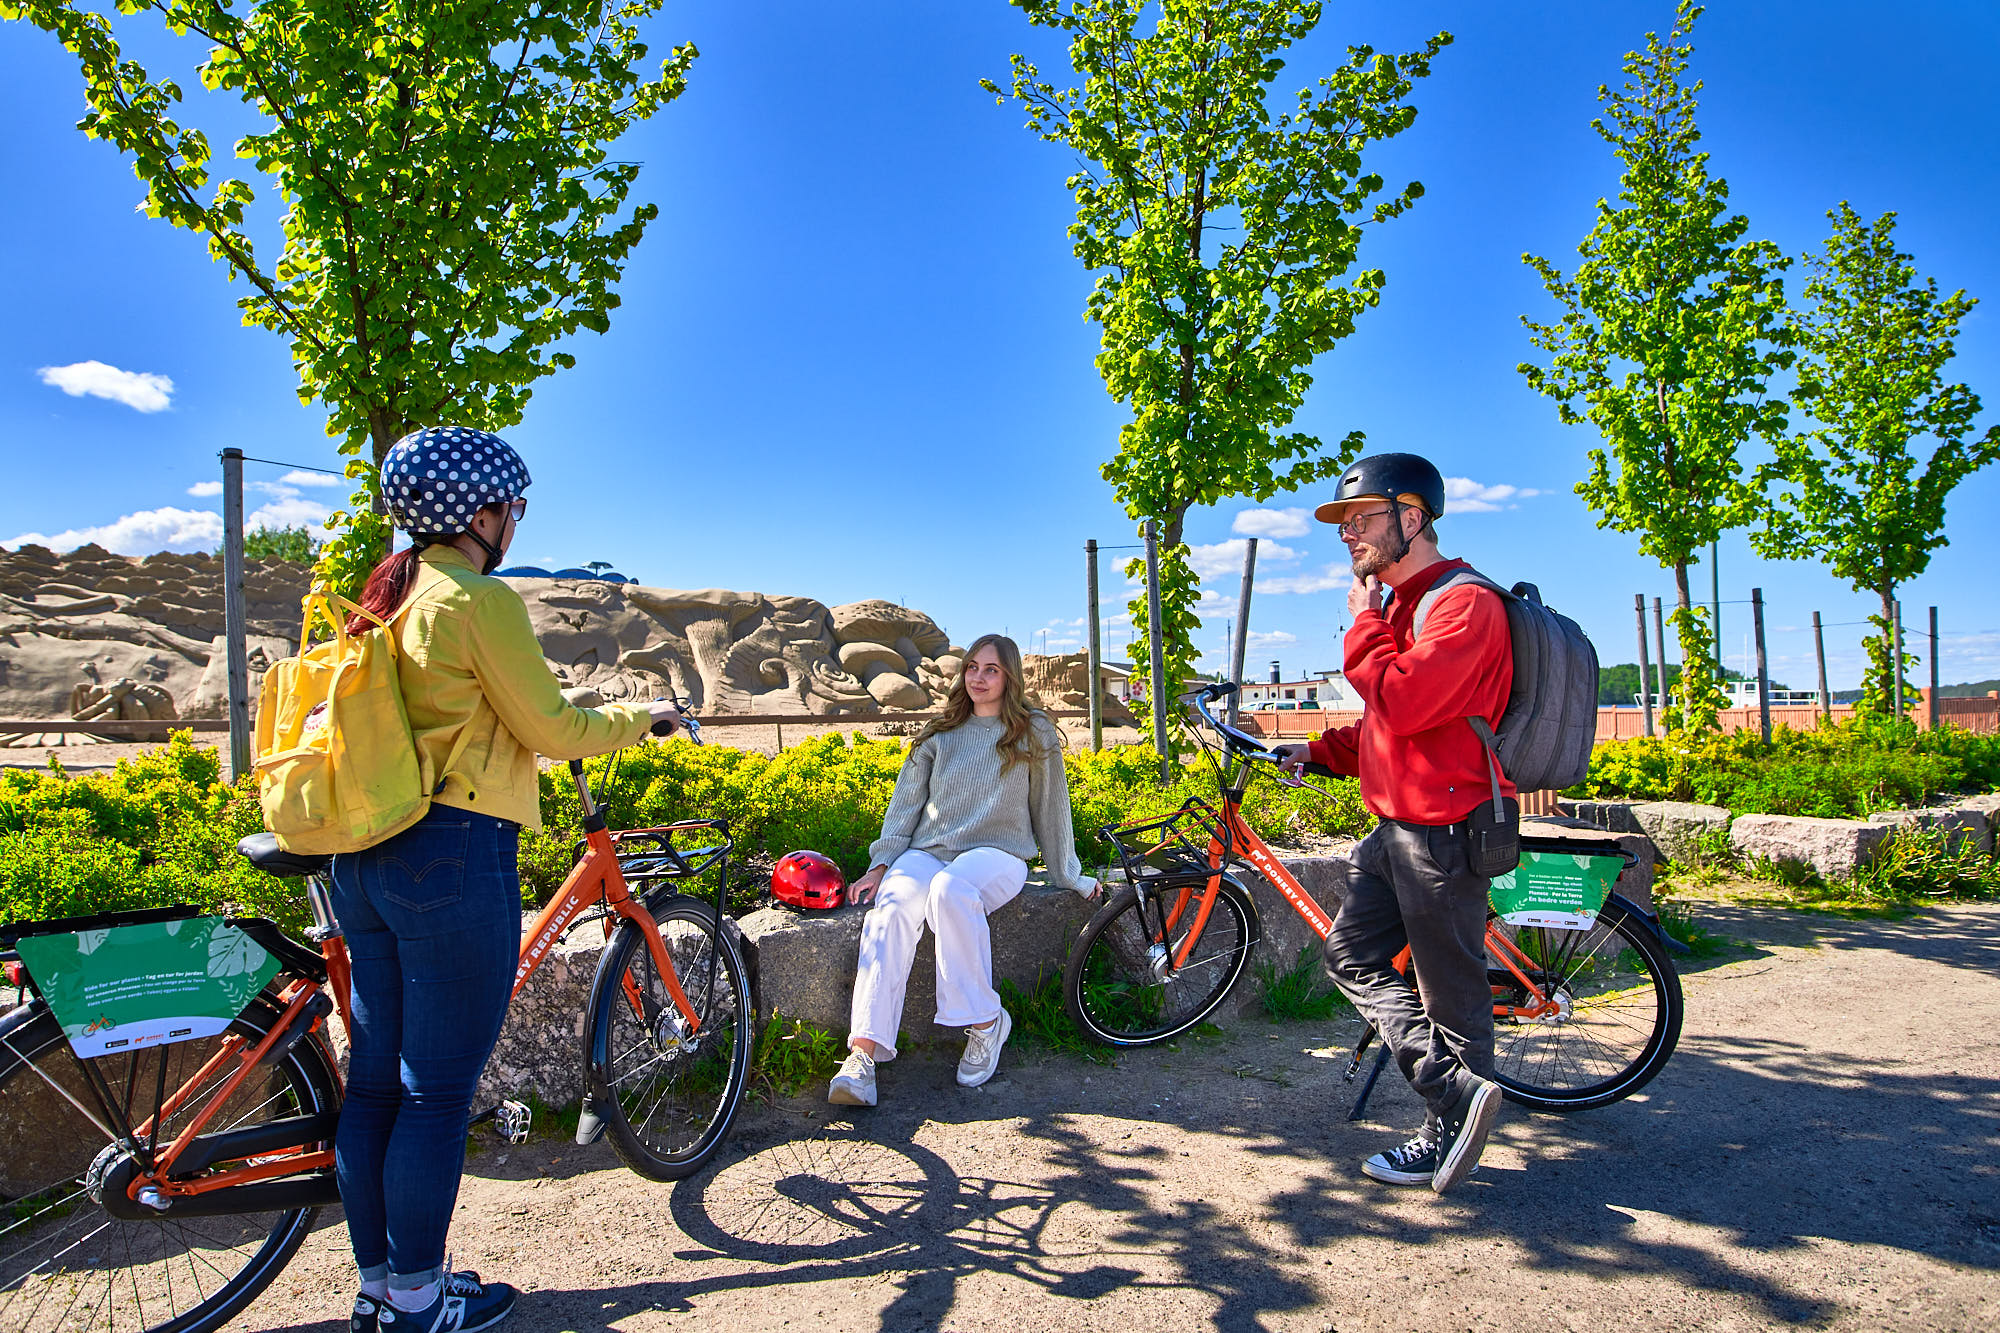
(854, 1085)
(982, 1051)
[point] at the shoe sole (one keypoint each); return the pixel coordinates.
(1463, 1155)
(1006, 1022)
(844, 1094)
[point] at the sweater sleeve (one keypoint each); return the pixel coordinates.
(1049, 813)
(906, 807)
(515, 678)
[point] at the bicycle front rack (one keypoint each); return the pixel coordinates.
(1193, 843)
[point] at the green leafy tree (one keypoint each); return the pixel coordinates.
(451, 210)
(1223, 229)
(293, 544)
(1855, 487)
(1670, 330)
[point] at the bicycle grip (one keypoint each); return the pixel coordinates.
(664, 727)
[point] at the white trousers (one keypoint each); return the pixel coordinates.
(953, 899)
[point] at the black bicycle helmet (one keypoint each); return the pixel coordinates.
(1390, 477)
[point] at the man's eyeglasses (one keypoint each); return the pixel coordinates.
(1355, 524)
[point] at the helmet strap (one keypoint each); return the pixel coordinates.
(1402, 543)
(492, 551)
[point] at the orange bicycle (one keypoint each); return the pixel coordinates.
(163, 1187)
(1583, 1015)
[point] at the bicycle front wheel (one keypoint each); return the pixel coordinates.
(1615, 1018)
(1120, 984)
(66, 1263)
(667, 1089)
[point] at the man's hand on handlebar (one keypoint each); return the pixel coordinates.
(1292, 758)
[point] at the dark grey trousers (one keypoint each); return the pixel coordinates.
(1413, 884)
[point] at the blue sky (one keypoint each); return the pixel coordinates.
(851, 360)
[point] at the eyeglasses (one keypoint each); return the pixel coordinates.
(518, 509)
(1353, 525)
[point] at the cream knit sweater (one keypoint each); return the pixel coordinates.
(956, 793)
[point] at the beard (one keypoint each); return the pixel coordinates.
(1371, 560)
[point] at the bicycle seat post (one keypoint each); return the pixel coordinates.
(319, 897)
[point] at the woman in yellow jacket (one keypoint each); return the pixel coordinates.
(433, 915)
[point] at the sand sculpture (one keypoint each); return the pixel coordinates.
(90, 635)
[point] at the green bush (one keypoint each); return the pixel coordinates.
(160, 829)
(1843, 771)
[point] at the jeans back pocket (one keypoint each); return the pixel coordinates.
(422, 868)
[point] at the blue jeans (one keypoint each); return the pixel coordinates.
(433, 925)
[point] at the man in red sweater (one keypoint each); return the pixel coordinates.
(1423, 771)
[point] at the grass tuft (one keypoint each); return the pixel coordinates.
(791, 1057)
(1041, 1018)
(1300, 995)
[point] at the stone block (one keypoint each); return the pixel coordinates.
(1614, 816)
(1285, 932)
(805, 961)
(1676, 827)
(1835, 848)
(541, 1043)
(1962, 824)
(1635, 882)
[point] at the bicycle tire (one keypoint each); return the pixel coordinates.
(667, 1100)
(1110, 985)
(66, 1263)
(1619, 1021)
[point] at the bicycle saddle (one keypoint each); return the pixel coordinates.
(262, 850)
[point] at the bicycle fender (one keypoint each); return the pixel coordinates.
(596, 1052)
(1651, 920)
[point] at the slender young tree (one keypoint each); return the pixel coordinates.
(1863, 486)
(451, 210)
(1223, 229)
(1670, 331)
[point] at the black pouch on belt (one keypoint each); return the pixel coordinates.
(1493, 829)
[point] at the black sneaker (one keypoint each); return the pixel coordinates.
(464, 1304)
(363, 1318)
(1412, 1164)
(1462, 1133)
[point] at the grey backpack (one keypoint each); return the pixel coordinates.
(1546, 734)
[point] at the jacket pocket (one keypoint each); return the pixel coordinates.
(423, 868)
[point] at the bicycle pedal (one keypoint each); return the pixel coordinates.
(589, 1126)
(511, 1121)
(1353, 1068)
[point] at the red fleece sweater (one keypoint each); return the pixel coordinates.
(1417, 757)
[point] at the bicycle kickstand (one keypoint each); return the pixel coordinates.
(1360, 1106)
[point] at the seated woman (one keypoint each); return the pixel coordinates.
(981, 792)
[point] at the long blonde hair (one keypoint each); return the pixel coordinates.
(1017, 710)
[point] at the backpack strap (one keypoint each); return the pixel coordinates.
(1480, 726)
(418, 586)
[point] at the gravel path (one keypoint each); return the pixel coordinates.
(1824, 1150)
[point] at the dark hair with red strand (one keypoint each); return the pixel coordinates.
(387, 587)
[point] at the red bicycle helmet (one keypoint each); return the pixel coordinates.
(808, 879)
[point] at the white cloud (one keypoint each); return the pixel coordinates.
(300, 477)
(289, 511)
(138, 390)
(1463, 495)
(1219, 558)
(1330, 579)
(1262, 639)
(1271, 523)
(143, 533)
(203, 490)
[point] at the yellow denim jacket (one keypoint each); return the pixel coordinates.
(468, 659)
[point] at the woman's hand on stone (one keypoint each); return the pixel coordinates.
(863, 890)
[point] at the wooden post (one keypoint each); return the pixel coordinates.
(1819, 651)
(1660, 638)
(1715, 605)
(1157, 657)
(233, 617)
(1896, 652)
(1932, 722)
(1645, 663)
(1763, 672)
(1242, 640)
(1096, 685)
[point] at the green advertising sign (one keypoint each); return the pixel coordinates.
(1555, 889)
(122, 987)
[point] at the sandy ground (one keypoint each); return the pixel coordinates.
(1823, 1151)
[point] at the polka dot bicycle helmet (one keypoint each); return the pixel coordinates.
(435, 479)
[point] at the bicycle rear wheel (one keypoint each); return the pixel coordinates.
(66, 1263)
(665, 1089)
(1616, 1021)
(1118, 984)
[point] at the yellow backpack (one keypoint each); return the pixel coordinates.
(336, 764)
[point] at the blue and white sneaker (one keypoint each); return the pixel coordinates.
(464, 1305)
(367, 1310)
